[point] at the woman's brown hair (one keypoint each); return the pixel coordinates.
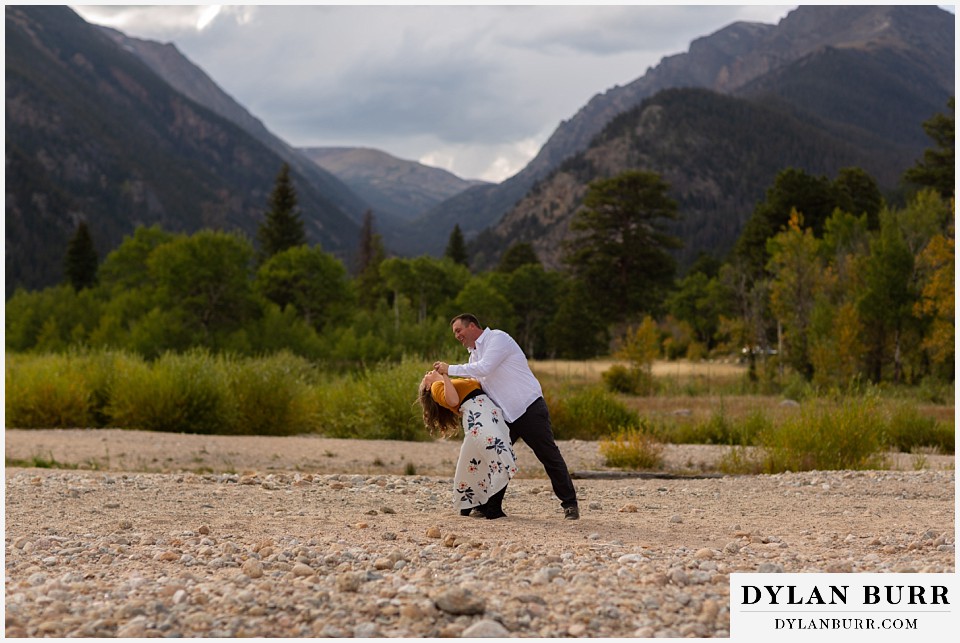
(439, 420)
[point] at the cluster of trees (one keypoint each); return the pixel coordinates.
(827, 280)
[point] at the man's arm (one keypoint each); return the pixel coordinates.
(495, 351)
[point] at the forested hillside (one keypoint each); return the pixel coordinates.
(717, 153)
(93, 134)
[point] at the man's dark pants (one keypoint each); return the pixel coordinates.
(533, 427)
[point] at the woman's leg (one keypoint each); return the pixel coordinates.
(486, 460)
(493, 508)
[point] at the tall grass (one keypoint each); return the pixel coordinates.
(272, 395)
(179, 392)
(63, 390)
(283, 394)
(588, 414)
(632, 449)
(51, 391)
(376, 403)
(824, 435)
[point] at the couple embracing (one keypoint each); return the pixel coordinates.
(496, 400)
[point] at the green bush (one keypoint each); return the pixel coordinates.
(719, 428)
(632, 448)
(49, 391)
(633, 381)
(827, 436)
(272, 395)
(908, 430)
(589, 414)
(377, 403)
(179, 393)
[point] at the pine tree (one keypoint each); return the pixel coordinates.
(620, 248)
(517, 255)
(937, 169)
(282, 228)
(370, 255)
(457, 247)
(80, 263)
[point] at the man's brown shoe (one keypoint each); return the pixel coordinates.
(571, 513)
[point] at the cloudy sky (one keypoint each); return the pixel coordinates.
(474, 89)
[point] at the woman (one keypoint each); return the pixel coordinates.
(486, 461)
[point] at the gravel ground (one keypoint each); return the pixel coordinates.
(306, 537)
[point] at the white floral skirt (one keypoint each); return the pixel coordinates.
(487, 461)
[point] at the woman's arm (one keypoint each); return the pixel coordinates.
(450, 394)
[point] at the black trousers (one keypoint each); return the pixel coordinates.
(534, 428)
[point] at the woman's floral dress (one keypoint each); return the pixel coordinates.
(487, 461)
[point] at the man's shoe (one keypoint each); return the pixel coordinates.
(571, 513)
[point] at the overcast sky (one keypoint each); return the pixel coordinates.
(476, 89)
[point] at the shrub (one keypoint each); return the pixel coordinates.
(589, 414)
(908, 430)
(634, 381)
(632, 448)
(825, 436)
(271, 395)
(49, 391)
(377, 403)
(176, 393)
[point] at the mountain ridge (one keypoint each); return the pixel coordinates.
(393, 186)
(93, 133)
(724, 61)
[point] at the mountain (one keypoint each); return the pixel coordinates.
(867, 74)
(392, 186)
(94, 133)
(717, 153)
(191, 81)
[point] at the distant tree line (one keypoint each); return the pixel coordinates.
(827, 281)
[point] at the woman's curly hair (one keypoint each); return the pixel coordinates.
(438, 419)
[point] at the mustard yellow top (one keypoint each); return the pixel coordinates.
(464, 387)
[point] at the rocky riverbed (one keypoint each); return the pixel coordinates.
(287, 553)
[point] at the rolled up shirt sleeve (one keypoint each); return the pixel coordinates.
(495, 351)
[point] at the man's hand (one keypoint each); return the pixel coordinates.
(441, 367)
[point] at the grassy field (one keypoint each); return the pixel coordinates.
(694, 390)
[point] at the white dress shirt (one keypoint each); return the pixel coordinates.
(504, 374)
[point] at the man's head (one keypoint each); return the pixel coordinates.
(466, 328)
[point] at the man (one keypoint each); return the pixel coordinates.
(497, 361)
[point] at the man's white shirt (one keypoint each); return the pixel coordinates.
(504, 374)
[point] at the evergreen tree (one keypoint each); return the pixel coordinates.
(370, 254)
(80, 263)
(519, 254)
(620, 247)
(937, 169)
(457, 247)
(282, 228)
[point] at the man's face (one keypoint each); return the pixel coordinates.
(466, 334)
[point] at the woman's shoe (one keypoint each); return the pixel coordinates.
(493, 508)
(466, 512)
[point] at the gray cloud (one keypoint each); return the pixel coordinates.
(475, 89)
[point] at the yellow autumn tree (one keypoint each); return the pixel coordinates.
(936, 267)
(798, 278)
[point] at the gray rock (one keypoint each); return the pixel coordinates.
(460, 600)
(486, 629)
